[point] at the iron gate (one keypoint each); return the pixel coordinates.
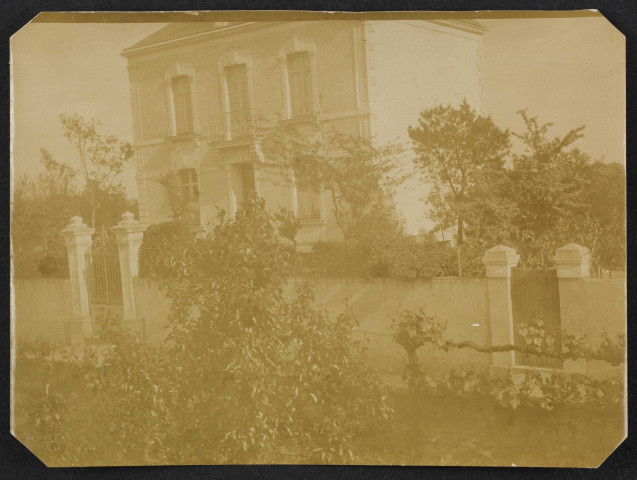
(104, 283)
(535, 296)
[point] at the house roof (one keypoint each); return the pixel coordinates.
(176, 31)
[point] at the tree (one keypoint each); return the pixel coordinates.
(547, 185)
(41, 208)
(602, 223)
(102, 159)
(462, 154)
(359, 176)
(249, 372)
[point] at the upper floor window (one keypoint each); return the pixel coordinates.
(182, 98)
(300, 83)
(189, 195)
(237, 84)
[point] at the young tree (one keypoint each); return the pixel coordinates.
(358, 176)
(547, 185)
(250, 371)
(102, 159)
(462, 154)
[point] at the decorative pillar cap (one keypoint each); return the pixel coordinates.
(499, 260)
(77, 228)
(128, 224)
(572, 261)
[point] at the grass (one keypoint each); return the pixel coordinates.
(425, 430)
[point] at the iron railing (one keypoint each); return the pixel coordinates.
(104, 278)
(224, 127)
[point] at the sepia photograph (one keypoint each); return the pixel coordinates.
(319, 238)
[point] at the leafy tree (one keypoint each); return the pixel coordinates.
(41, 208)
(547, 184)
(462, 154)
(273, 372)
(358, 176)
(250, 373)
(602, 223)
(102, 159)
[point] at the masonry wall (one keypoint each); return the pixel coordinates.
(604, 307)
(462, 303)
(42, 310)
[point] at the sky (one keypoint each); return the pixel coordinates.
(570, 72)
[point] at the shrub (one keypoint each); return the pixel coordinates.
(163, 245)
(248, 375)
(415, 329)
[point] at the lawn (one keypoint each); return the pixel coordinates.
(425, 430)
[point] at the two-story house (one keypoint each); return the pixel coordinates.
(199, 89)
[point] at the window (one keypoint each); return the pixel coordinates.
(237, 81)
(182, 99)
(308, 199)
(189, 193)
(300, 84)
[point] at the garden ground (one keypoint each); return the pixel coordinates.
(425, 430)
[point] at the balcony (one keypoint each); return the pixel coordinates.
(233, 126)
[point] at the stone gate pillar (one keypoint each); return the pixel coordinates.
(572, 262)
(498, 262)
(77, 238)
(128, 235)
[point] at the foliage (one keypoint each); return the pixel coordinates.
(248, 374)
(547, 184)
(358, 176)
(163, 244)
(404, 257)
(102, 159)
(264, 361)
(462, 154)
(41, 208)
(601, 225)
(415, 329)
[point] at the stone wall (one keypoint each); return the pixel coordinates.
(42, 309)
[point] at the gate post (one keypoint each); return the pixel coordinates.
(77, 238)
(129, 234)
(498, 262)
(572, 262)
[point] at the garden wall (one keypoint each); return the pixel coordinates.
(461, 302)
(604, 307)
(42, 309)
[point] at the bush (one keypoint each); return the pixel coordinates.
(248, 375)
(163, 245)
(403, 258)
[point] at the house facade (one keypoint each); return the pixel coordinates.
(200, 90)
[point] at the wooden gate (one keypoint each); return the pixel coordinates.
(535, 296)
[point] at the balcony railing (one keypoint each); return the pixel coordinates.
(224, 127)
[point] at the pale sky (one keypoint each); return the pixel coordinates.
(567, 71)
